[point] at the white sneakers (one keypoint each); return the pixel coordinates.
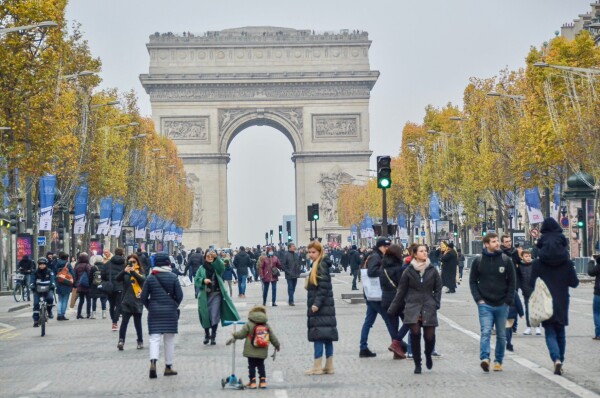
(538, 331)
(527, 332)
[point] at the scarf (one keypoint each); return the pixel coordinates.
(137, 288)
(420, 267)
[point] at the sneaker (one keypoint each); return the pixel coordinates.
(538, 331)
(485, 365)
(509, 347)
(527, 332)
(115, 327)
(366, 353)
(292, 305)
(497, 367)
(436, 354)
(252, 384)
(409, 356)
(596, 338)
(36, 324)
(120, 345)
(558, 368)
(140, 345)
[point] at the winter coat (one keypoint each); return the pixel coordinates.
(354, 260)
(493, 279)
(418, 296)
(266, 266)
(145, 263)
(516, 309)
(83, 266)
(40, 275)
(322, 325)
(374, 263)
(228, 311)
(95, 292)
(247, 333)
(345, 260)
(229, 273)
(557, 275)
(242, 263)
(524, 273)
(195, 261)
(162, 303)
(390, 279)
(594, 270)
(449, 262)
(112, 268)
(291, 265)
(63, 290)
(26, 265)
(129, 302)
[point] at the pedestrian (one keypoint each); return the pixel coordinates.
(144, 261)
(52, 262)
(258, 334)
(161, 295)
(354, 261)
(26, 267)
(95, 257)
(516, 309)
(95, 291)
(194, 263)
(373, 264)
(214, 304)
(83, 280)
(228, 276)
(556, 269)
(270, 268)
(42, 275)
(449, 264)
(291, 267)
(63, 291)
(345, 259)
(524, 280)
(594, 270)
(112, 268)
(322, 323)
(106, 256)
(461, 264)
(420, 295)
(132, 278)
(493, 283)
(242, 264)
(389, 279)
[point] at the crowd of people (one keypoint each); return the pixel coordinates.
(411, 282)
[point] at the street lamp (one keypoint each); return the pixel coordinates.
(591, 71)
(520, 218)
(79, 74)
(44, 24)
(497, 94)
(109, 103)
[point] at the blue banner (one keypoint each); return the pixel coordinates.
(116, 222)
(134, 217)
(402, 220)
(81, 205)
(434, 206)
(143, 218)
(105, 212)
(47, 192)
(534, 207)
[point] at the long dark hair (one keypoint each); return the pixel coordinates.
(394, 253)
(137, 259)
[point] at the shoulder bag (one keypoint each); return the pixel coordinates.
(371, 286)
(274, 270)
(540, 304)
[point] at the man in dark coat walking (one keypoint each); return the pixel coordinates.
(242, 264)
(354, 259)
(291, 267)
(111, 269)
(195, 261)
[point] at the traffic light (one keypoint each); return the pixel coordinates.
(384, 172)
(280, 231)
(271, 233)
(288, 227)
(315, 211)
(61, 231)
(580, 218)
(455, 230)
(483, 228)
(266, 236)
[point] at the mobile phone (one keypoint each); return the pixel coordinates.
(130, 263)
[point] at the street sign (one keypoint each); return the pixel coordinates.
(422, 233)
(564, 222)
(534, 232)
(41, 241)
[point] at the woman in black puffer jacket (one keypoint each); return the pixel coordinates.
(322, 324)
(131, 304)
(389, 280)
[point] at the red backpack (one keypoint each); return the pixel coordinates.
(260, 337)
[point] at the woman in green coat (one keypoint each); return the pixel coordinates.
(214, 304)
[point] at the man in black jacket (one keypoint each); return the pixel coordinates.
(374, 265)
(594, 270)
(111, 269)
(493, 284)
(242, 264)
(291, 267)
(354, 259)
(195, 261)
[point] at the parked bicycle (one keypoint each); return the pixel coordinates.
(20, 287)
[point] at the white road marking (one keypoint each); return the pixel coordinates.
(5, 326)
(581, 313)
(40, 386)
(545, 373)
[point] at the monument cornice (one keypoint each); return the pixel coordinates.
(257, 76)
(210, 158)
(331, 156)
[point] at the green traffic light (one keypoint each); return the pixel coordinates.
(484, 233)
(315, 217)
(580, 224)
(384, 183)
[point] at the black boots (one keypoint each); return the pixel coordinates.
(153, 368)
(429, 346)
(206, 335)
(415, 342)
(213, 335)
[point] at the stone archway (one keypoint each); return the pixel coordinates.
(314, 88)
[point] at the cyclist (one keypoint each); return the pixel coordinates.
(42, 274)
(26, 268)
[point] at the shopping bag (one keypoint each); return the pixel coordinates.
(540, 304)
(371, 286)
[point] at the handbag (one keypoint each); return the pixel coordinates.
(274, 270)
(540, 304)
(64, 277)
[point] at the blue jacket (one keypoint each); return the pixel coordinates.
(63, 290)
(229, 273)
(161, 295)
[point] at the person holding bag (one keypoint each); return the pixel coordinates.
(270, 269)
(63, 290)
(83, 279)
(133, 279)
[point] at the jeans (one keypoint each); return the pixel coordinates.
(36, 304)
(26, 281)
(137, 322)
(114, 306)
(556, 341)
(488, 317)
(253, 364)
(63, 303)
(88, 304)
(242, 279)
(526, 304)
(354, 277)
(597, 315)
(374, 308)
(266, 291)
(291, 289)
(509, 333)
(169, 339)
(319, 349)
(103, 300)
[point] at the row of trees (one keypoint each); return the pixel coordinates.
(518, 130)
(56, 121)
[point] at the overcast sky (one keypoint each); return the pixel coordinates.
(425, 50)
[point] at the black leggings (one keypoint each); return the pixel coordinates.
(415, 340)
(254, 363)
(137, 322)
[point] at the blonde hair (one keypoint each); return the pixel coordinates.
(315, 244)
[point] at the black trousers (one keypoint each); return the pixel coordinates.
(114, 306)
(254, 363)
(137, 322)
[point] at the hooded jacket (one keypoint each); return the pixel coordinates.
(113, 268)
(493, 279)
(83, 267)
(553, 243)
(594, 270)
(242, 262)
(257, 316)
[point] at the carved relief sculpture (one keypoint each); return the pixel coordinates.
(336, 126)
(330, 184)
(186, 128)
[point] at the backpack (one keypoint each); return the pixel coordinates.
(84, 280)
(260, 337)
(97, 278)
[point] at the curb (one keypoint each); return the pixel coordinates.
(18, 307)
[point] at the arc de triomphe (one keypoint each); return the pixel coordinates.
(314, 88)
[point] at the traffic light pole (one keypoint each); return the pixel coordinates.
(384, 228)
(311, 235)
(316, 234)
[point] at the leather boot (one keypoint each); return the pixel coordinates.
(317, 368)
(328, 369)
(415, 341)
(153, 368)
(396, 348)
(169, 371)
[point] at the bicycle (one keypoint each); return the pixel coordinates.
(20, 288)
(43, 288)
